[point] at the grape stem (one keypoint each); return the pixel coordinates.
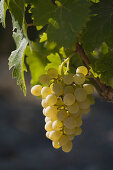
(103, 90)
(64, 62)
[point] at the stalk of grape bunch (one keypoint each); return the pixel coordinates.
(65, 98)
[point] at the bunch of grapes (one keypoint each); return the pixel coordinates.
(64, 99)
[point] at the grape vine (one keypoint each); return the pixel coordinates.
(68, 47)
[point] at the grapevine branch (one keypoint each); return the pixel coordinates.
(103, 90)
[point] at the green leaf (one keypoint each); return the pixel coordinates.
(55, 61)
(100, 27)
(3, 9)
(16, 58)
(65, 21)
(104, 66)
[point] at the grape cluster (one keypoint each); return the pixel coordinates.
(64, 99)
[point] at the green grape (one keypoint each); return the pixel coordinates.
(51, 99)
(47, 134)
(73, 109)
(67, 147)
(70, 137)
(55, 135)
(43, 103)
(89, 88)
(82, 69)
(75, 131)
(57, 125)
(44, 79)
(78, 131)
(69, 99)
(79, 78)
(51, 111)
(58, 89)
(85, 104)
(36, 90)
(45, 92)
(56, 144)
(70, 122)
(68, 89)
(62, 115)
(63, 140)
(47, 119)
(52, 72)
(68, 79)
(85, 111)
(48, 126)
(80, 94)
(44, 112)
(91, 99)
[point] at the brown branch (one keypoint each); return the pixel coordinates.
(103, 90)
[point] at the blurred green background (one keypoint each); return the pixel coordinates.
(23, 145)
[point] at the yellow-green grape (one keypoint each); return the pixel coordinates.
(51, 99)
(43, 103)
(78, 122)
(44, 79)
(77, 131)
(91, 99)
(47, 134)
(85, 111)
(70, 123)
(79, 78)
(55, 135)
(73, 109)
(44, 112)
(57, 125)
(67, 147)
(48, 126)
(59, 101)
(82, 69)
(47, 119)
(68, 79)
(56, 144)
(89, 88)
(45, 91)
(63, 140)
(62, 115)
(80, 94)
(68, 89)
(52, 72)
(58, 89)
(69, 99)
(70, 137)
(85, 104)
(51, 111)
(36, 90)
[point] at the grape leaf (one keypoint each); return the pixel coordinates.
(65, 21)
(16, 58)
(100, 28)
(104, 66)
(3, 9)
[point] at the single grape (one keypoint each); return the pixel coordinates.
(47, 134)
(85, 111)
(58, 89)
(69, 99)
(79, 78)
(48, 126)
(80, 94)
(51, 99)
(68, 79)
(70, 137)
(70, 123)
(89, 88)
(77, 131)
(67, 147)
(55, 135)
(51, 111)
(47, 119)
(57, 125)
(44, 112)
(68, 89)
(45, 92)
(82, 69)
(63, 140)
(44, 79)
(36, 90)
(52, 72)
(73, 109)
(62, 115)
(85, 104)
(56, 144)
(43, 103)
